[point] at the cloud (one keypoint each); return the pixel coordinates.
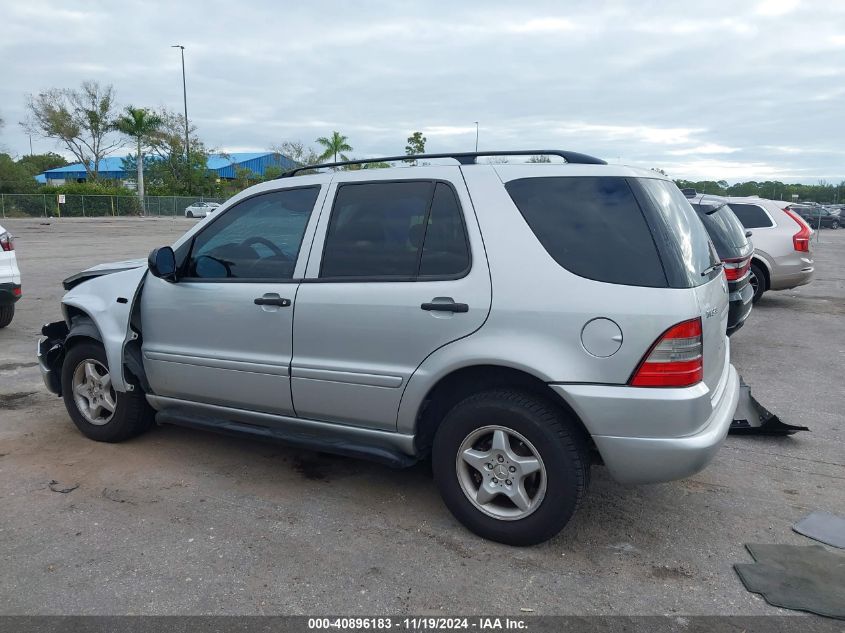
(642, 83)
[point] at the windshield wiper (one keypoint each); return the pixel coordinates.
(710, 269)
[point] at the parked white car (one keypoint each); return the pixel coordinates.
(10, 278)
(201, 209)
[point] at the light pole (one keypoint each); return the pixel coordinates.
(185, 100)
(476, 136)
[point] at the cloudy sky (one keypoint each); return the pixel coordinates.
(731, 90)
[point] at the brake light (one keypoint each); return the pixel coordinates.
(801, 240)
(17, 291)
(736, 268)
(675, 360)
(7, 242)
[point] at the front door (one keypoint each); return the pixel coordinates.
(221, 334)
(397, 270)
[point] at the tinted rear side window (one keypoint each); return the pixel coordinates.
(396, 230)
(751, 216)
(591, 226)
(725, 230)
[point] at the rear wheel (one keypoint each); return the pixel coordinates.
(6, 314)
(510, 466)
(100, 412)
(189, 214)
(834, 224)
(757, 281)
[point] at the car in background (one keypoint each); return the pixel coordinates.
(820, 216)
(783, 256)
(10, 278)
(201, 209)
(734, 249)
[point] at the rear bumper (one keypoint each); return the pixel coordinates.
(9, 293)
(791, 272)
(739, 307)
(655, 435)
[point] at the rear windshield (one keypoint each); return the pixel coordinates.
(725, 230)
(592, 226)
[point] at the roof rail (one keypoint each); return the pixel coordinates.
(464, 158)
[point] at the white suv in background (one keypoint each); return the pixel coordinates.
(783, 254)
(10, 278)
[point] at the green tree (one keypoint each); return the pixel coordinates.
(539, 158)
(335, 146)
(15, 178)
(169, 171)
(38, 163)
(416, 145)
(80, 119)
(298, 152)
(142, 126)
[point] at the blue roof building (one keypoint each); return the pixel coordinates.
(224, 165)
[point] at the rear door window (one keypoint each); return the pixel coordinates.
(395, 231)
(751, 215)
(592, 226)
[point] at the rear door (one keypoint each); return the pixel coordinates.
(397, 270)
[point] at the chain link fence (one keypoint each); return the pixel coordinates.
(42, 205)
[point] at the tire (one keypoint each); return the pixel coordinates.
(758, 281)
(189, 215)
(131, 415)
(834, 225)
(7, 313)
(533, 427)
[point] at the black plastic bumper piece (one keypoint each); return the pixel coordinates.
(51, 355)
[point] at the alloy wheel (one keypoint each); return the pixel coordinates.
(93, 392)
(501, 472)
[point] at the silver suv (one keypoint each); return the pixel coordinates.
(783, 253)
(514, 322)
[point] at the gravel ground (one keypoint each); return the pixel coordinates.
(184, 522)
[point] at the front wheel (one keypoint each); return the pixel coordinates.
(189, 215)
(100, 412)
(7, 313)
(510, 466)
(834, 224)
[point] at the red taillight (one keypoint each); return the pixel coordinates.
(801, 240)
(675, 360)
(7, 242)
(736, 268)
(17, 291)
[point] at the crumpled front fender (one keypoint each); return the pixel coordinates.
(108, 300)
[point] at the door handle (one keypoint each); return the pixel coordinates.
(445, 306)
(271, 300)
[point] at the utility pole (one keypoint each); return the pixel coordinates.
(476, 136)
(185, 100)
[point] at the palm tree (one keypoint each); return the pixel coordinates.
(335, 146)
(142, 125)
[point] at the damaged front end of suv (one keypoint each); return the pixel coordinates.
(98, 306)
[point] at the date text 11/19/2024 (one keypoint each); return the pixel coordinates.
(417, 624)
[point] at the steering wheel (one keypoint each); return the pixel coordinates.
(265, 242)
